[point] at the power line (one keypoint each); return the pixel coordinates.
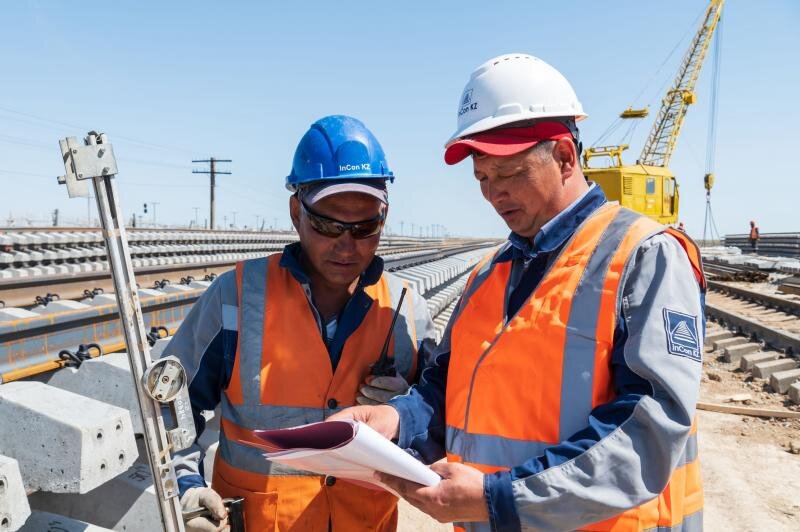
(116, 136)
(46, 147)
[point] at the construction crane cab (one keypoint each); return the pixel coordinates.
(650, 190)
(649, 186)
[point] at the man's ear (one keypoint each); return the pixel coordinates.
(566, 156)
(294, 211)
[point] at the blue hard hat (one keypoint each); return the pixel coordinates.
(337, 147)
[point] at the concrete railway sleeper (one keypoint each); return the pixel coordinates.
(778, 369)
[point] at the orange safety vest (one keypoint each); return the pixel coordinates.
(282, 377)
(504, 407)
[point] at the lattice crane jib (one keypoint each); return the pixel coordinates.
(663, 136)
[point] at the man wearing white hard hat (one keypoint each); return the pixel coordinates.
(564, 390)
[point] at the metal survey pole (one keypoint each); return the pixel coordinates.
(162, 383)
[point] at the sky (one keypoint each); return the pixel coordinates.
(174, 81)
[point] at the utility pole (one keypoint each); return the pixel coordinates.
(234, 218)
(55, 218)
(154, 203)
(196, 210)
(212, 173)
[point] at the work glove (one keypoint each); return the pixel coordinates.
(198, 497)
(378, 390)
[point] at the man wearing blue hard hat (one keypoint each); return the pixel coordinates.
(292, 338)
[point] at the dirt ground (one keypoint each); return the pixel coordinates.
(751, 477)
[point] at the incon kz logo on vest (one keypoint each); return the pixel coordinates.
(682, 338)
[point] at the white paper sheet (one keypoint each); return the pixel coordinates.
(345, 449)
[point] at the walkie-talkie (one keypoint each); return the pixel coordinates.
(384, 367)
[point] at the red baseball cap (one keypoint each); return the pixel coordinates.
(505, 141)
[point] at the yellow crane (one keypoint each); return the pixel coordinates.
(649, 187)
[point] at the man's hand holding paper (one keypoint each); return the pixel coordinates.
(346, 449)
(383, 419)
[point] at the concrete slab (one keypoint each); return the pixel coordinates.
(14, 508)
(126, 502)
(173, 288)
(12, 314)
(107, 379)
(734, 353)
(40, 521)
(101, 299)
(149, 292)
(781, 380)
(748, 361)
(64, 442)
(60, 306)
(158, 348)
(764, 370)
(794, 392)
(715, 336)
(727, 342)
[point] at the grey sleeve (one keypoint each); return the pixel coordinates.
(200, 345)
(661, 307)
(422, 318)
(217, 309)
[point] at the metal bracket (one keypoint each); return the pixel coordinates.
(165, 381)
(84, 162)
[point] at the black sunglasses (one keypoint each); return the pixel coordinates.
(334, 228)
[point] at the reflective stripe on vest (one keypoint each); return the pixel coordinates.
(503, 409)
(283, 377)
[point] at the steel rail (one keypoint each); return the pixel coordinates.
(765, 300)
(773, 338)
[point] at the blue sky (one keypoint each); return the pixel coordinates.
(176, 81)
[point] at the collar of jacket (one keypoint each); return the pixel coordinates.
(291, 261)
(556, 231)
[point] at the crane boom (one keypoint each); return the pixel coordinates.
(664, 133)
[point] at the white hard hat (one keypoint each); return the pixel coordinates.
(511, 88)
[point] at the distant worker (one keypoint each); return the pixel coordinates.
(289, 339)
(564, 389)
(681, 228)
(753, 236)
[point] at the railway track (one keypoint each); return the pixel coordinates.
(35, 342)
(768, 318)
(758, 334)
(65, 263)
